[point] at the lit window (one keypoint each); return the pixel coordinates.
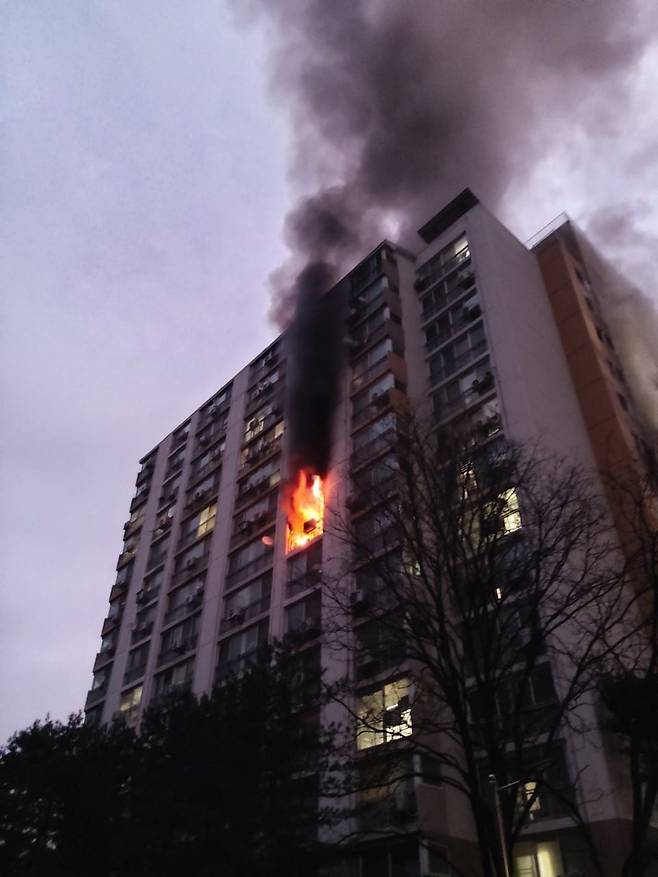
(384, 715)
(130, 699)
(511, 514)
(206, 520)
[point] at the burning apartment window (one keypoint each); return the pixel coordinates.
(304, 510)
(384, 715)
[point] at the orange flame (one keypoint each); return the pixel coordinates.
(305, 510)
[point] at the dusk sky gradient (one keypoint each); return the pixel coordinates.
(145, 183)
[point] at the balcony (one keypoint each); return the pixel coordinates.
(249, 569)
(96, 695)
(480, 387)
(145, 472)
(236, 666)
(255, 490)
(147, 595)
(259, 395)
(192, 567)
(263, 426)
(171, 691)
(200, 498)
(104, 657)
(393, 812)
(252, 526)
(194, 534)
(111, 622)
(307, 631)
(191, 604)
(118, 590)
(133, 673)
(211, 465)
(177, 651)
(440, 374)
(433, 276)
(269, 363)
(126, 556)
(139, 499)
(374, 448)
(304, 582)
(259, 454)
(242, 614)
(213, 413)
(141, 631)
(131, 527)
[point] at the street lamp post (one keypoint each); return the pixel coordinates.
(499, 822)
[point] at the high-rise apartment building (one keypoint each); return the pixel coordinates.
(475, 327)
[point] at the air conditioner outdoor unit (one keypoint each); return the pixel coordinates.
(204, 439)
(236, 616)
(142, 596)
(191, 563)
(199, 494)
(380, 400)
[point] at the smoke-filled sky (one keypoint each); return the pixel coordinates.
(152, 150)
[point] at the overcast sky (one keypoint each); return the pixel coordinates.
(144, 189)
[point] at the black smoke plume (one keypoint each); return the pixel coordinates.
(396, 105)
(315, 361)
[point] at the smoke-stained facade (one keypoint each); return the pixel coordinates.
(462, 329)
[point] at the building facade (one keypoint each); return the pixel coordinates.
(473, 327)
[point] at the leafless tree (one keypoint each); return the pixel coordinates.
(629, 687)
(486, 588)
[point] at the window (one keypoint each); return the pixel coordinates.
(116, 608)
(541, 859)
(374, 392)
(201, 523)
(263, 478)
(178, 678)
(399, 861)
(193, 556)
(256, 594)
(260, 420)
(384, 715)
(100, 679)
(375, 430)
(180, 638)
(304, 613)
(243, 644)
(131, 699)
(263, 446)
(248, 554)
(186, 597)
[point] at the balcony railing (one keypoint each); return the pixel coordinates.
(210, 466)
(147, 595)
(250, 569)
(481, 386)
(370, 373)
(193, 535)
(190, 568)
(213, 413)
(377, 406)
(260, 453)
(240, 615)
